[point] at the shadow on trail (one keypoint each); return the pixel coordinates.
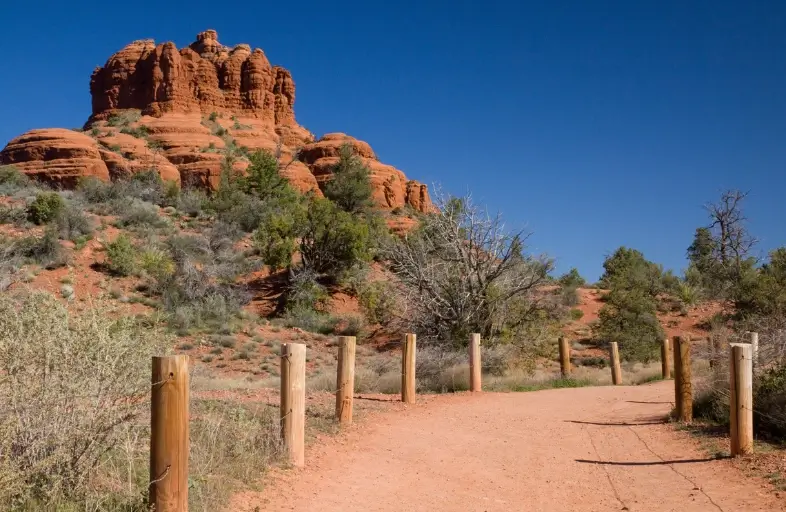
(621, 424)
(653, 463)
(373, 399)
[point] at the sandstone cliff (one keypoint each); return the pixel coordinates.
(181, 111)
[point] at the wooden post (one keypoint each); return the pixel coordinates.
(474, 363)
(683, 390)
(345, 379)
(408, 369)
(741, 398)
(665, 358)
(754, 339)
(564, 357)
(616, 371)
(169, 434)
(293, 401)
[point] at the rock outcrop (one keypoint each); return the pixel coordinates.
(181, 111)
(56, 155)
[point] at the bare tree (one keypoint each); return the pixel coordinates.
(727, 222)
(461, 271)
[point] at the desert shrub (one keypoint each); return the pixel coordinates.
(124, 118)
(572, 279)
(70, 387)
(377, 303)
(140, 132)
(12, 179)
(72, 223)
(769, 402)
(44, 250)
(157, 264)
(192, 202)
(45, 208)
(350, 325)
(121, 256)
(12, 215)
(245, 211)
(96, 191)
(306, 292)
(138, 213)
(350, 185)
(439, 370)
(576, 314)
(495, 359)
(184, 247)
(310, 320)
(569, 296)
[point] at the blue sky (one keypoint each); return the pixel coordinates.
(594, 124)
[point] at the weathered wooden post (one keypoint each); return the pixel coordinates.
(169, 446)
(293, 401)
(616, 370)
(665, 358)
(683, 390)
(345, 379)
(408, 368)
(741, 398)
(564, 357)
(475, 383)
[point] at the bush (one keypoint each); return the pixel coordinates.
(139, 213)
(769, 402)
(350, 185)
(576, 314)
(12, 178)
(73, 399)
(12, 215)
(45, 250)
(140, 132)
(124, 118)
(569, 296)
(45, 208)
(121, 256)
(192, 202)
(73, 224)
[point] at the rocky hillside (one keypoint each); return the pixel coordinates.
(183, 111)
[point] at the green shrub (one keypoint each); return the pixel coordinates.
(350, 185)
(576, 314)
(73, 224)
(192, 202)
(377, 302)
(44, 250)
(12, 215)
(569, 296)
(140, 132)
(124, 118)
(769, 401)
(139, 213)
(12, 180)
(45, 208)
(122, 256)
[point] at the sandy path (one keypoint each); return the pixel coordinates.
(589, 449)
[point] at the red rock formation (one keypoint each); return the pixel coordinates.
(55, 155)
(154, 105)
(202, 78)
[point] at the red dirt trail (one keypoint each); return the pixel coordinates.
(588, 449)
